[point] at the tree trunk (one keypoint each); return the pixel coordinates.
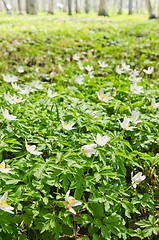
(27, 6)
(114, 6)
(31, 7)
(69, 7)
(130, 7)
(95, 6)
(150, 10)
(51, 7)
(77, 6)
(8, 10)
(65, 5)
(120, 7)
(20, 7)
(102, 8)
(137, 8)
(87, 6)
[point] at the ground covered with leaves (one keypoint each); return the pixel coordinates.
(79, 128)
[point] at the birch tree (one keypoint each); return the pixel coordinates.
(77, 6)
(87, 6)
(51, 7)
(102, 8)
(69, 7)
(31, 7)
(65, 6)
(7, 7)
(130, 7)
(120, 7)
(150, 10)
(20, 7)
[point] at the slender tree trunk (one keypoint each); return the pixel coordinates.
(114, 5)
(102, 8)
(77, 6)
(137, 6)
(87, 6)
(8, 10)
(69, 7)
(130, 7)
(31, 7)
(27, 6)
(94, 6)
(150, 10)
(65, 5)
(51, 7)
(120, 7)
(141, 6)
(20, 7)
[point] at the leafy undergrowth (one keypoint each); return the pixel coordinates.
(82, 101)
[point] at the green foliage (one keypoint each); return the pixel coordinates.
(111, 208)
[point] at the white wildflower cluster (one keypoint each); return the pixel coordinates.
(103, 96)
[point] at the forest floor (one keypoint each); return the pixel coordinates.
(79, 112)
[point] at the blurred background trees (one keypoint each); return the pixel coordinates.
(102, 7)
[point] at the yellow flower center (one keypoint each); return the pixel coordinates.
(2, 166)
(65, 124)
(70, 201)
(4, 203)
(102, 96)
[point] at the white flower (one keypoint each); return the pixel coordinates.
(102, 140)
(50, 94)
(79, 79)
(80, 65)
(68, 126)
(12, 100)
(136, 89)
(126, 67)
(25, 91)
(7, 116)
(119, 70)
(134, 117)
(3, 169)
(15, 86)
(135, 79)
(103, 97)
(125, 124)
(9, 79)
(91, 74)
(94, 113)
(8, 98)
(149, 70)
(71, 202)
(134, 73)
(60, 67)
(76, 57)
(89, 68)
(37, 84)
(102, 64)
(3, 204)
(31, 149)
(36, 69)
(20, 69)
(88, 150)
(17, 100)
(138, 178)
(154, 104)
